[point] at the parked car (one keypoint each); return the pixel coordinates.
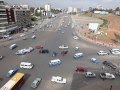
(54, 54)
(10, 38)
(62, 32)
(11, 72)
(24, 38)
(115, 51)
(20, 52)
(13, 46)
(75, 37)
(90, 75)
(39, 47)
(26, 65)
(107, 76)
(22, 35)
(33, 37)
(29, 49)
(36, 82)
(58, 79)
(80, 69)
(109, 64)
(102, 53)
(76, 48)
(55, 62)
(63, 47)
(1, 57)
(64, 52)
(117, 72)
(77, 55)
(44, 51)
(94, 60)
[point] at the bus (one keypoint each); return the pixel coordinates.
(15, 82)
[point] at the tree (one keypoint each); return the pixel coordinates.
(117, 9)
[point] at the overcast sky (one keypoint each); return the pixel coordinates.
(84, 4)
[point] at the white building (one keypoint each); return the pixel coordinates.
(99, 7)
(93, 27)
(75, 10)
(25, 6)
(72, 10)
(47, 7)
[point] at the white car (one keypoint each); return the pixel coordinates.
(115, 51)
(22, 35)
(90, 75)
(58, 79)
(33, 37)
(62, 32)
(63, 47)
(10, 38)
(102, 53)
(28, 50)
(75, 37)
(76, 48)
(107, 76)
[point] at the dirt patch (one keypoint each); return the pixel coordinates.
(109, 35)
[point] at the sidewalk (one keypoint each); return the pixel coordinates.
(17, 35)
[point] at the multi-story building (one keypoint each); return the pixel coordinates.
(22, 17)
(47, 7)
(72, 10)
(7, 21)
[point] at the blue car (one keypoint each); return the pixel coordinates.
(94, 60)
(20, 53)
(11, 72)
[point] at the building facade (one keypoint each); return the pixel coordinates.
(22, 17)
(47, 7)
(7, 21)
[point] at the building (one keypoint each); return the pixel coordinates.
(101, 12)
(7, 20)
(99, 7)
(20, 7)
(72, 10)
(25, 7)
(47, 7)
(22, 17)
(94, 27)
(117, 13)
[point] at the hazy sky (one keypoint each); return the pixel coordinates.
(65, 3)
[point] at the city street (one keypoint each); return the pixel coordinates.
(51, 38)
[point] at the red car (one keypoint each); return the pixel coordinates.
(64, 52)
(80, 69)
(39, 47)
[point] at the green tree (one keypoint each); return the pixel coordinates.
(117, 9)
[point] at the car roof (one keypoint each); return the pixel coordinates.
(55, 60)
(78, 53)
(89, 72)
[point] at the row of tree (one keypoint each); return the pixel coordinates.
(108, 10)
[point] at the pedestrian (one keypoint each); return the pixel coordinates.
(111, 87)
(103, 67)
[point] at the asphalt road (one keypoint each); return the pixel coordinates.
(51, 38)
